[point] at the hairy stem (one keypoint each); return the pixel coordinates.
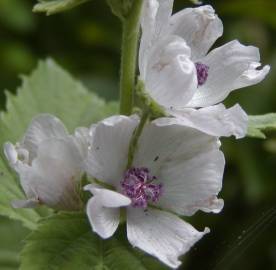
(131, 27)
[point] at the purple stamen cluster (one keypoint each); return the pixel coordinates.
(137, 185)
(202, 73)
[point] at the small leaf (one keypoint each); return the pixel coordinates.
(258, 124)
(55, 6)
(49, 89)
(66, 241)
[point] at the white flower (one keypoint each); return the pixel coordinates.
(177, 69)
(176, 170)
(49, 163)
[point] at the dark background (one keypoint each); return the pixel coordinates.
(86, 41)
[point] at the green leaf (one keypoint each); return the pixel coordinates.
(55, 6)
(11, 234)
(66, 241)
(258, 124)
(49, 89)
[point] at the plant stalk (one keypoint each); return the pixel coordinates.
(131, 31)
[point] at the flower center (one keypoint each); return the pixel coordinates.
(202, 73)
(137, 185)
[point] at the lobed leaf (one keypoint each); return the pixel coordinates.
(66, 241)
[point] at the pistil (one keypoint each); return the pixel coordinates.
(139, 187)
(202, 73)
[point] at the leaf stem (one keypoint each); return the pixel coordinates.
(131, 27)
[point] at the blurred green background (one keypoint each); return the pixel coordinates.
(86, 41)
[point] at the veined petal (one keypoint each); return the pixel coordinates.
(154, 21)
(192, 182)
(42, 127)
(161, 234)
(200, 27)
(108, 154)
(54, 174)
(188, 164)
(82, 138)
(231, 67)
(214, 120)
(162, 17)
(171, 77)
(103, 209)
(158, 143)
(104, 221)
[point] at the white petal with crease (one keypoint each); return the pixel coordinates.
(107, 157)
(154, 22)
(194, 184)
(200, 27)
(108, 198)
(161, 234)
(104, 221)
(231, 66)
(42, 127)
(187, 162)
(214, 120)
(103, 209)
(54, 174)
(171, 77)
(157, 144)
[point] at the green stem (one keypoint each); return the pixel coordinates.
(135, 137)
(131, 27)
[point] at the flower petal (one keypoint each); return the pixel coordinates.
(161, 234)
(154, 20)
(214, 120)
(200, 27)
(10, 153)
(158, 143)
(107, 157)
(18, 158)
(104, 221)
(108, 198)
(171, 77)
(231, 67)
(42, 127)
(103, 211)
(54, 174)
(187, 162)
(192, 181)
(82, 138)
